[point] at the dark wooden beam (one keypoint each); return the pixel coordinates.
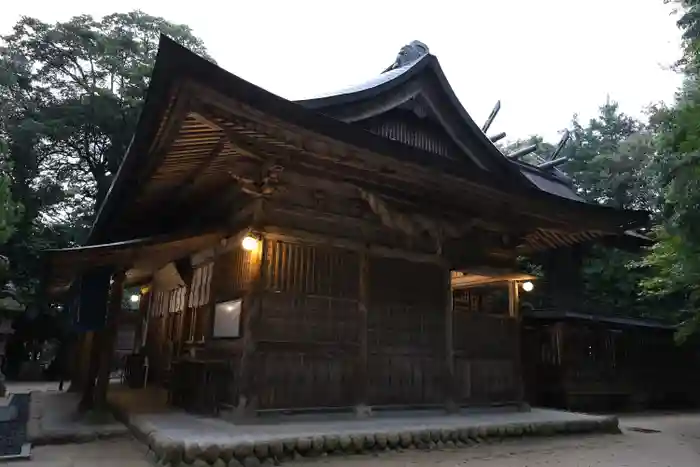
(357, 166)
(426, 204)
(481, 259)
(313, 215)
(351, 176)
(301, 236)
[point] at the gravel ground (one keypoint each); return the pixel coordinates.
(665, 440)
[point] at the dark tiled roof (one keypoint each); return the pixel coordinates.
(572, 315)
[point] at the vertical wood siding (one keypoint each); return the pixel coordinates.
(421, 133)
(406, 328)
(485, 341)
(308, 332)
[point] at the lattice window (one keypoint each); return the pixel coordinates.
(176, 300)
(160, 304)
(201, 285)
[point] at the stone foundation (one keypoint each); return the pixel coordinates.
(259, 449)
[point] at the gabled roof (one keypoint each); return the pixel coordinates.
(424, 81)
(419, 77)
(175, 146)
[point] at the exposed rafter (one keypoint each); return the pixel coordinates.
(182, 190)
(241, 144)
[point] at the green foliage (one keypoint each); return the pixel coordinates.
(9, 209)
(70, 96)
(613, 161)
(675, 260)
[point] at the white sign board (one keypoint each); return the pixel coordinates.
(227, 319)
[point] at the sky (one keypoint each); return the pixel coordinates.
(544, 59)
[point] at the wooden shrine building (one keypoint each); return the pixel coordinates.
(302, 254)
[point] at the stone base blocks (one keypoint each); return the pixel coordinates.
(275, 449)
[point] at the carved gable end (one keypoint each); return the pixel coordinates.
(408, 127)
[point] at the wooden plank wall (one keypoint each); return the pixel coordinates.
(406, 330)
(307, 340)
(307, 337)
(486, 350)
(602, 366)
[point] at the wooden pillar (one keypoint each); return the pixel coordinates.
(93, 366)
(252, 310)
(114, 309)
(513, 299)
(514, 312)
(79, 366)
(142, 325)
(362, 408)
(450, 387)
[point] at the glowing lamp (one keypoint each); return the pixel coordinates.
(528, 286)
(249, 243)
(134, 298)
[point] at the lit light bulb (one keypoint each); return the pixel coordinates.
(528, 286)
(249, 243)
(134, 298)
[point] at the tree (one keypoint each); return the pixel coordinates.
(97, 73)
(612, 161)
(674, 260)
(9, 209)
(689, 24)
(70, 96)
